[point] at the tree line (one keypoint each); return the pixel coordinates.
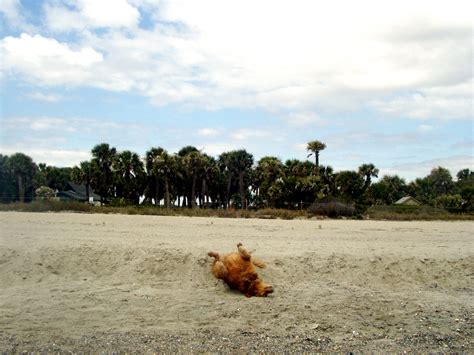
(193, 179)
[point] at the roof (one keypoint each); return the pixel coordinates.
(71, 195)
(78, 191)
(406, 199)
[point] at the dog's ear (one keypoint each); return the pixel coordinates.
(249, 288)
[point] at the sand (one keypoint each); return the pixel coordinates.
(92, 282)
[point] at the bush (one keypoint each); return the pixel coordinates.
(408, 213)
(453, 202)
(44, 193)
(47, 206)
(332, 209)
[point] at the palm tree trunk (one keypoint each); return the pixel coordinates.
(241, 188)
(367, 182)
(21, 189)
(87, 192)
(204, 191)
(316, 154)
(193, 192)
(227, 197)
(157, 191)
(167, 193)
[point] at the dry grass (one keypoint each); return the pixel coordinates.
(414, 213)
(374, 212)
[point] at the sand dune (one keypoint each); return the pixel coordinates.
(113, 282)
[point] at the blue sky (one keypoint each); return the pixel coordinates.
(384, 83)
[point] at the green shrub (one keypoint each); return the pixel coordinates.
(44, 193)
(408, 213)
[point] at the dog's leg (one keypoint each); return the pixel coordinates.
(214, 255)
(244, 253)
(219, 270)
(260, 263)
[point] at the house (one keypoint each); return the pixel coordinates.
(76, 192)
(408, 201)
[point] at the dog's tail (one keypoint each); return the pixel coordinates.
(214, 255)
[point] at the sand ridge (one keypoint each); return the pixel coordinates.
(344, 285)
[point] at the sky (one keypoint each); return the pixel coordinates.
(382, 82)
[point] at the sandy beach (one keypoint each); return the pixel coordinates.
(93, 282)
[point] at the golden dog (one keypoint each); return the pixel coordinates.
(238, 271)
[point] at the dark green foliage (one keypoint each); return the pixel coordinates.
(350, 185)
(83, 174)
(103, 177)
(21, 169)
(191, 178)
(51, 176)
(8, 188)
(387, 191)
(129, 176)
(236, 168)
(315, 147)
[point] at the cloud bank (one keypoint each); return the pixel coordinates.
(412, 60)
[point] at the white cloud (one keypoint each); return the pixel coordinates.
(91, 14)
(48, 124)
(451, 102)
(289, 56)
(208, 132)
(54, 157)
(216, 149)
(11, 10)
(50, 139)
(418, 169)
(300, 147)
(48, 60)
(246, 134)
(464, 144)
(45, 97)
(425, 128)
(57, 125)
(304, 119)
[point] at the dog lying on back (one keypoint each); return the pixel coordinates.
(238, 271)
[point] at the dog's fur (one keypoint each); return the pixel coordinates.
(238, 271)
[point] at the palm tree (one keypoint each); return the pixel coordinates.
(83, 174)
(23, 169)
(153, 190)
(165, 165)
(349, 184)
(8, 185)
(184, 181)
(267, 172)
(238, 163)
(315, 147)
(103, 157)
(298, 168)
(194, 163)
(387, 190)
(441, 180)
(129, 172)
(368, 171)
(225, 165)
(209, 172)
